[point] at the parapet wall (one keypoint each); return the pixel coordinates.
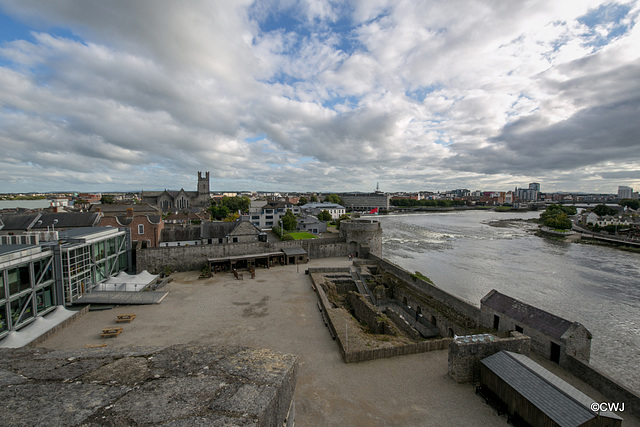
(603, 383)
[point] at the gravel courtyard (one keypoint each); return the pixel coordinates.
(277, 310)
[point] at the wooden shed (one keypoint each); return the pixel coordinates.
(534, 396)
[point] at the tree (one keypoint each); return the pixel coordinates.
(603, 210)
(237, 203)
(106, 200)
(314, 199)
(302, 201)
(324, 216)
(232, 217)
(333, 198)
(630, 203)
(289, 221)
(342, 218)
(559, 222)
(218, 212)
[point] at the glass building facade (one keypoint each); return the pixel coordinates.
(34, 279)
(27, 285)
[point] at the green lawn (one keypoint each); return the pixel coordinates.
(303, 235)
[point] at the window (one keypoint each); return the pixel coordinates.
(140, 228)
(519, 329)
(235, 240)
(1, 290)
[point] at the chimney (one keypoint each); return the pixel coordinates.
(98, 210)
(130, 212)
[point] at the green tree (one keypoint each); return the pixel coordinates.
(314, 199)
(559, 221)
(233, 216)
(602, 210)
(630, 203)
(302, 201)
(219, 212)
(342, 218)
(324, 216)
(106, 200)
(237, 203)
(333, 198)
(289, 221)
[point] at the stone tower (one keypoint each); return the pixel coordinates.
(363, 236)
(203, 184)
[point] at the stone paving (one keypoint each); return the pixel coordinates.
(278, 311)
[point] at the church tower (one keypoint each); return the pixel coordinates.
(203, 184)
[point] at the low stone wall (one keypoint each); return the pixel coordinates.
(374, 319)
(51, 332)
(465, 357)
(399, 350)
(617, 393)
(336, 323)
(402, 323)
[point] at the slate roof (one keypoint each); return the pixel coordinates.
(115, 209)
(526, 314)
(67, 220)
(19, 222)
(217, 230)
(560, 401)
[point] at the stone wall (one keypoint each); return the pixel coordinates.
(363, 236)
(177, 385)
(188, 258)
(604, 384)
(377, 321)
(465, 357)
(335, 321)
(452, 315)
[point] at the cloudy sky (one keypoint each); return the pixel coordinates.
(319, 95)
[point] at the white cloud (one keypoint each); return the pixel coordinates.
(415, 94)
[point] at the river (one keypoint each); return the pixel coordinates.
(468, 253)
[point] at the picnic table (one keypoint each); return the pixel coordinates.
(111, 332)
(125, 317)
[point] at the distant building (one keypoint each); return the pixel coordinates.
(315, 209)
(534, 186)
(144, 221)
(311, 224)
(168, 200)
(266, 215)
(364, 202)
(625, 192)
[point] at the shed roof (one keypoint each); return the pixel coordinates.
(543, 321)
(557, 399)
(294, 250)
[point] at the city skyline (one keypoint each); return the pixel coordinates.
(319, 96)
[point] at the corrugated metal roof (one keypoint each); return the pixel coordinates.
(560, 401)
(534, 317)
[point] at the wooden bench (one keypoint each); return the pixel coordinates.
(111, 332)
(125, 317)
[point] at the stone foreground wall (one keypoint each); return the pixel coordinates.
(180, 385)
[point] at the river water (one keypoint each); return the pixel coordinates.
(468, 253)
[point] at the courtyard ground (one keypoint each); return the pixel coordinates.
(277, 310)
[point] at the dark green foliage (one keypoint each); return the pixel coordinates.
(106, 200)
(342, 218)
(333, 198)
(219, 212)
(630, 203)
(556, 216)
(324, 216)
(313, 199)
(235, 204)
(289, 221)
(603, 210)
(302, 201)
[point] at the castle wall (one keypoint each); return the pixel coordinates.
(363, 236)
(451, 314)
(186, 258)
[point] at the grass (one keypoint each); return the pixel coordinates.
(303, 235)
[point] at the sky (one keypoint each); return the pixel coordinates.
(317, 95)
